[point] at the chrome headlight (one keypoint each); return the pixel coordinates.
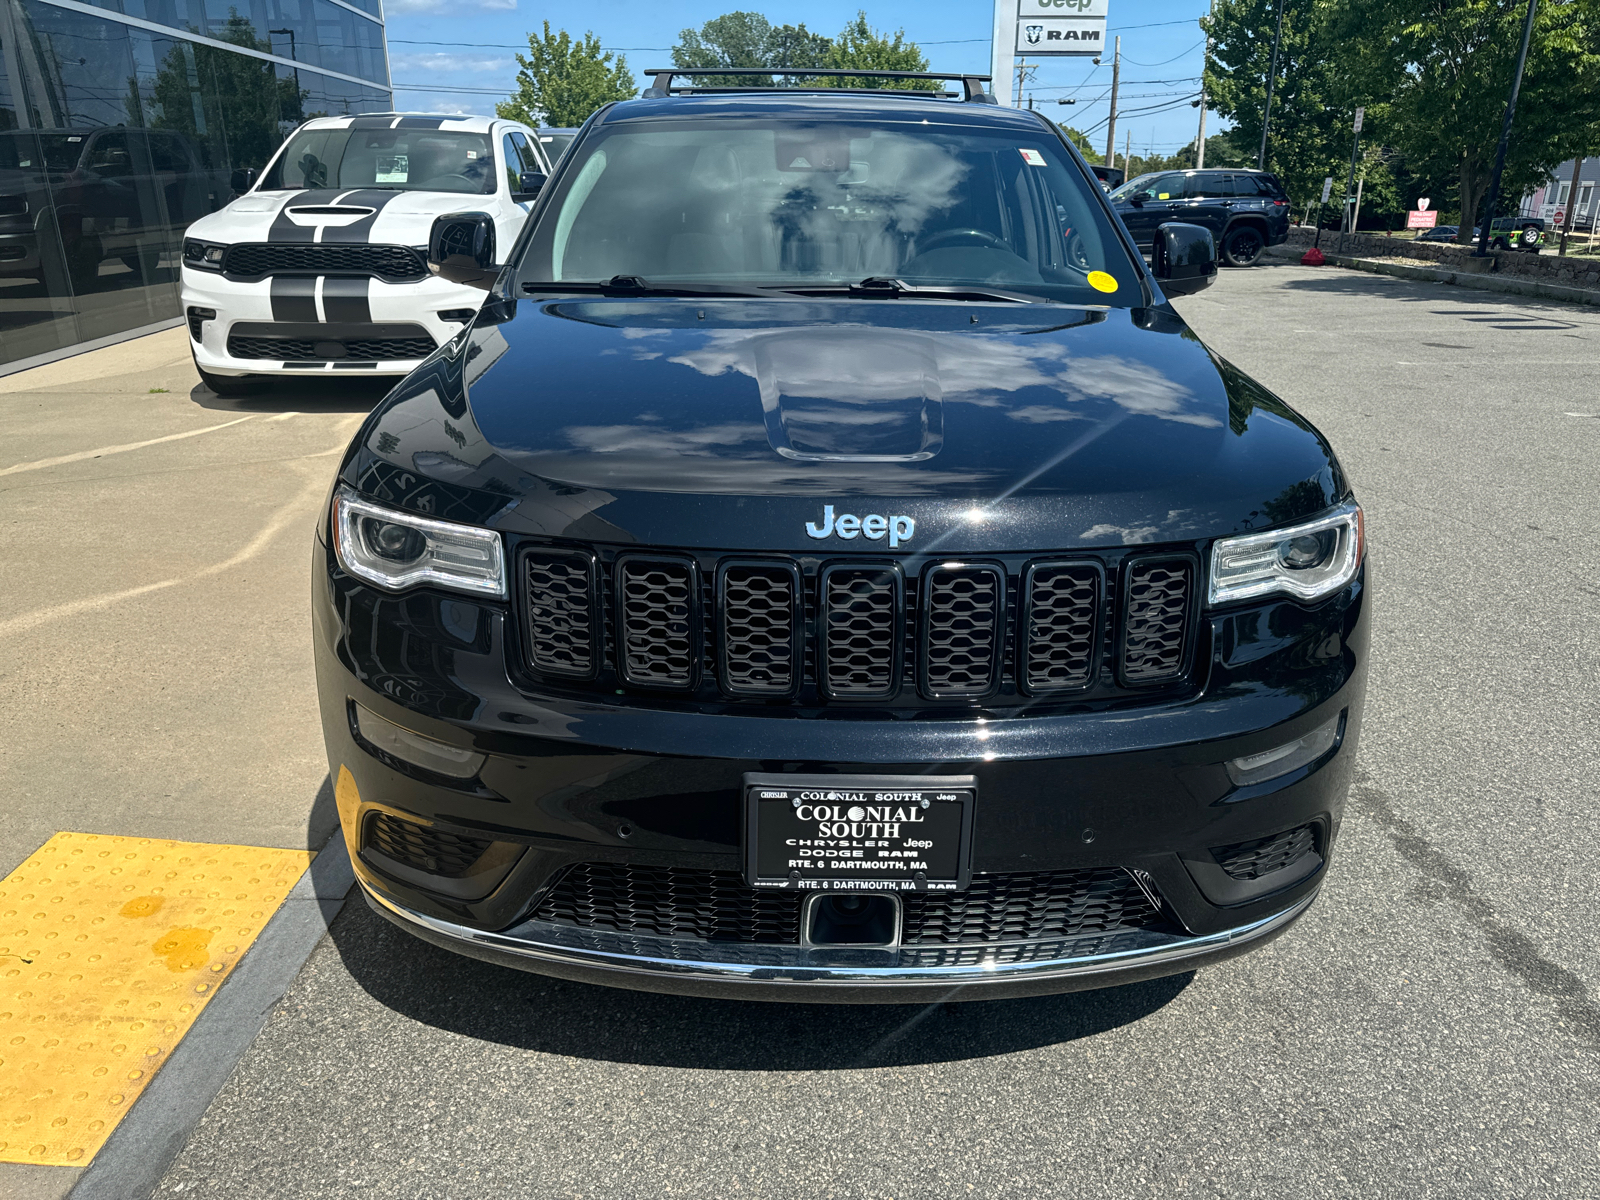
(206, 256)
(1306, 561)
(397, 550)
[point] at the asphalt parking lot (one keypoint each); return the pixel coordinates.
(1431, 1028)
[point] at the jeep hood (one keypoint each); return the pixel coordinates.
(733, 423)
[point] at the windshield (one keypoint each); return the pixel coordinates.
(405, 160)
(787, 202)
(1168, 186)
(61, 150)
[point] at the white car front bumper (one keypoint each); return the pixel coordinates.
(404, 324)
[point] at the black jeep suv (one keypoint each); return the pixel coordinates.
(828, 569)
(1246, 211)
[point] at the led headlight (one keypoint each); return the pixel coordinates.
(397, 550)
(207, 256)
(1307, 561)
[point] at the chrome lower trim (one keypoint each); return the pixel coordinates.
(565, 946)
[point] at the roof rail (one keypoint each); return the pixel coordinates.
(661, 82)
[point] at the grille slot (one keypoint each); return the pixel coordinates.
(715, 906)
(423, 847)
(1156, 619)
(396, 263)
(758, 607)
(356, 349)
(657, 603)
(1020, 907)
(1062, 603)
(1263, 856)
(861, 609)
(963, 618)
(562, 625)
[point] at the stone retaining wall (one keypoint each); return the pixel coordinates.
(1546, 266)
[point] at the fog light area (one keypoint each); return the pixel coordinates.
(1280, 760)
(425, 752)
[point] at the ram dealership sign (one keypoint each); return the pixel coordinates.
(1060, 27)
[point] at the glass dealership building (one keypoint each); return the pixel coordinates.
(122, 121)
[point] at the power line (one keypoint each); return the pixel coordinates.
(1165, 61)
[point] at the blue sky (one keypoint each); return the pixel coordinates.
(1161, 44)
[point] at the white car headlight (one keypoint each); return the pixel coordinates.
(1308, 561)
(397, 550)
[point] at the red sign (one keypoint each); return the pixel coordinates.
(1560, 216)
(1422, 218)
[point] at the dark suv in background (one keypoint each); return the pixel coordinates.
(1246, 211)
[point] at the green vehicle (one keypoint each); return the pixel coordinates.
(1517, 233)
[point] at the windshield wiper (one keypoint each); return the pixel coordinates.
(883, 287)
(632, 285)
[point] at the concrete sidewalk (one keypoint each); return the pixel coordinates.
(1511, 285)
(155, 659)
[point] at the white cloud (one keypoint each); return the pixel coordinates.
(422, 6)
(470, 63)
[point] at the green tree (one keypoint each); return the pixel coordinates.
(860, 47)
(1082, 142)
(1310, 110)
(561, 81)
(747, 39)
(1444, 67)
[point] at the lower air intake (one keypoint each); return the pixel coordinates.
(422, 847)
(1022, 907)
(715, 906)
(1263, 856)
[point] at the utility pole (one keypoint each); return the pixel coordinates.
(1127, 155)
(1111, 122)
(1200, 139)
(1505, 136)
(1024, 72)
(1572, 202)
(1272, 75)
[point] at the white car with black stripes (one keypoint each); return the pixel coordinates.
(321, 268)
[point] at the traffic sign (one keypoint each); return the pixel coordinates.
(1060, 27)
(1327, 188)
(1360, 113)
(1560, 216)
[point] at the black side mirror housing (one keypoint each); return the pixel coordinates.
(243, 179)
(1137, 200)
(461, 249)
(529, 184)
(1183, 258)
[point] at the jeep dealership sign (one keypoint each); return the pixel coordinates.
(1060, 27)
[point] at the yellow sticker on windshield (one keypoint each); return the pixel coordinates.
(1164, 196)
(1102, 282)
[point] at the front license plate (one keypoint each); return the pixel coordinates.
(858, 833)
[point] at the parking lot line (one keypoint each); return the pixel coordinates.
(110, 947)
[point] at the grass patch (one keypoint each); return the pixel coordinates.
(153, 391)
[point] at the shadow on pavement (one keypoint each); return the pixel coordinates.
(532, 1012)
(301, 394)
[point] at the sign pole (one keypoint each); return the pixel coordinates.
(1003, 51)
(1355, 146)
(1327, 190)
(1505, 136)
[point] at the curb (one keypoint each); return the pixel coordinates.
(1487, 283)
(132, 1162)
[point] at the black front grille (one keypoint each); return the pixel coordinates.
(861, 631)
(394, 263)
(715, 906)
(332, 349)
(561, 619)
(1263, 856)
(719, 906)
(656, 606)
(1155, 630)
(963, 620)
(422, 847)
(1020, 907)
(760, 628)
(1063, 620)
(902, 634)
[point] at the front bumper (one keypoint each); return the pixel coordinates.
(250, 304)
(567, 783)
(843, 976)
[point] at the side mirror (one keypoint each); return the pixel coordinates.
(461, 249)
(1183, 258)
(243, 179)
(1137, 199)
(528, 185)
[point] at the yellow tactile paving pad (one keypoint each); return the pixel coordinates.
(109, 949)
